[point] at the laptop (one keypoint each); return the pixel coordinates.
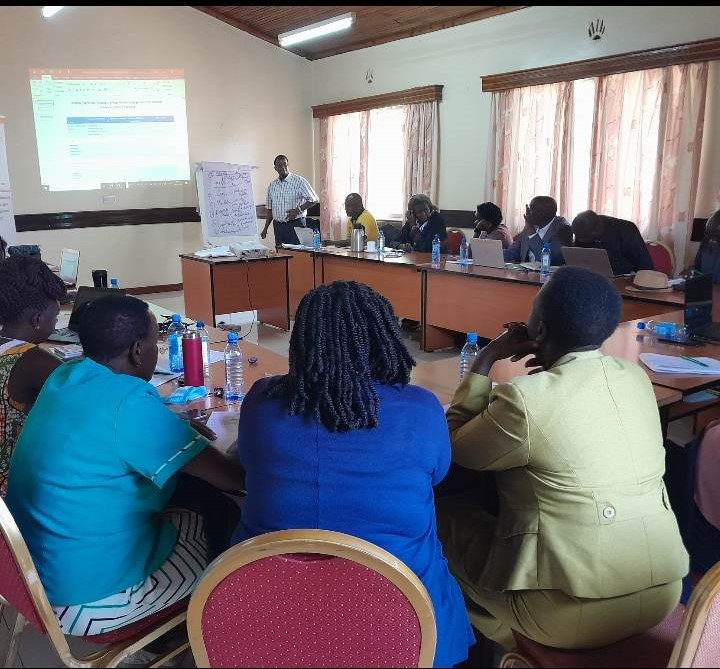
(594, 259)
(487, 253)
(85, 295)
(69, 264)
(305, 236)
(698, 308)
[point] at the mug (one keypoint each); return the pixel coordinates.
(371, 246)
(99, 277)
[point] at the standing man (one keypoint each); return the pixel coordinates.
(288, 198)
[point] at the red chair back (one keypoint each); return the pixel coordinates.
(313, 610)
(662, 257)
(454, 239)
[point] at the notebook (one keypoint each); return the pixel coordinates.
(673, 364)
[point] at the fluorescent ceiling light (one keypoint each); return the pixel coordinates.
(47, 12)
(317, 30)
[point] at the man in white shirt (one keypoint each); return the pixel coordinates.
(542, 226)
(288, 198)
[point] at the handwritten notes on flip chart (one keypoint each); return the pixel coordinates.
(227, 205)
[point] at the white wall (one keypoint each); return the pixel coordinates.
(459, 57)
(246, 102)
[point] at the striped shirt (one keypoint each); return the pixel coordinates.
(285, 195)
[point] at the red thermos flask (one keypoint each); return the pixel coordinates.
(192, 359)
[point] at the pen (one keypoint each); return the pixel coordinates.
(697, 362)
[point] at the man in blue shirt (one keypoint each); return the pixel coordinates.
(621, 239)
(542, 226)
(95, 467)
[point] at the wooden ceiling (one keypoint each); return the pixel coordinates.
(373, 25)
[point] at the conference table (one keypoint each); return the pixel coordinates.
(215, 286)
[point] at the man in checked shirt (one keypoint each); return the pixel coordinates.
(288, 198)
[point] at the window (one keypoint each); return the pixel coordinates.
(386, 162)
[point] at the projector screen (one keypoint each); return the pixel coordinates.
(110, 129)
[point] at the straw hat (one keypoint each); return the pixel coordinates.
(649, 281)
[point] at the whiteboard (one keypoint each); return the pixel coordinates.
(7, 219)
(226, 201)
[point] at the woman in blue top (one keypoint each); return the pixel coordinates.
(343, 443)
(707, 259)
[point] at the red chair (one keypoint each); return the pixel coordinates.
(453, 241)
(310, 598)
(689, 637)
(662, 257)
(21, 589)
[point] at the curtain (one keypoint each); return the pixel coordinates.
(530, 152)
(343, 168)
(647, 139)
(422, 141)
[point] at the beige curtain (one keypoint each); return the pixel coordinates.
(343, 168)
(422, 142)
(647, 139)
(530, 149)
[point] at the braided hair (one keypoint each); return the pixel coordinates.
(26, 284)
(345, 338)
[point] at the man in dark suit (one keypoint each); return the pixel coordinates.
(425, 223)
(542, 226)
(621, 239)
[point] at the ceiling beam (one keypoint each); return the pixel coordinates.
(236, 23)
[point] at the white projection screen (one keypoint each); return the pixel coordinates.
(111, 130)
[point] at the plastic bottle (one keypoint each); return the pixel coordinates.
(381, 242)
(435, 258)
(316, 239)
(545, 260)
(233, 369)
(114, 283)
(464, 251)
(175, 334)
(663, 329)
(469, 353)
(204, 341)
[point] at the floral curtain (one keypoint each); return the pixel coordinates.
(422, 141)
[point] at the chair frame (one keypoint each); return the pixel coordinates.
(320, 542)
(657, 242)
(108, 656)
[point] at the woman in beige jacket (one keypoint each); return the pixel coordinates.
(585, 549)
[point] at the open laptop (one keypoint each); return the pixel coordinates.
(487, 253)
(594, 259)
(69, 264)
(305, 236)
(698, 308)
(69, 335)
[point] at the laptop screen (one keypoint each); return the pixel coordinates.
(69, 263)
(698, 301)
(86, 295)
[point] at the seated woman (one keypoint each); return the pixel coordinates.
(584, 550)
(707, 259)
(93, 470)
(489, 220)
(29, 294)
(343, 443)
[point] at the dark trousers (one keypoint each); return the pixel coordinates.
(219, 512)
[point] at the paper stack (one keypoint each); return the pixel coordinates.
(673, 364)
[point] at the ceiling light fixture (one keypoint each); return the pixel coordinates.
(316, 30)
(47, 12)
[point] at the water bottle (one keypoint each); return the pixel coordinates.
(204, 341)
(464, 251)
(435, 249)
(468, 354)
(233, 369)
(381, 242)
(663, 329)
(316, 239)
(545, 260)
(114, 283)
(175, 334)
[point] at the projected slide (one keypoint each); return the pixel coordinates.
(108, 129)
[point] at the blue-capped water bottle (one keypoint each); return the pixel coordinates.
(545, 260)
(468, 354)
(464, 251)
(233, 369)
(435, 258)
(316, 239)
(204, 342)
(114, 283)
(381, 242)
(175, 334)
